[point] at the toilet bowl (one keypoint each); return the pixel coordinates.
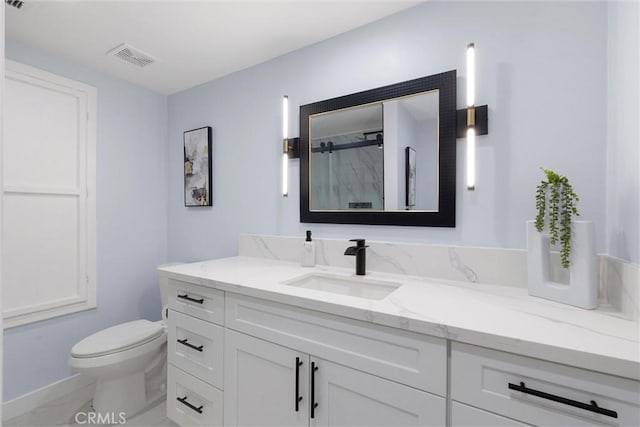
(121, 358)
(128, 362)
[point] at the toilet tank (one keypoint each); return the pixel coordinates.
(163, 282)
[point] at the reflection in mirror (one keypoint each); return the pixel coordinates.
(347, 159)
(411, 122)
(357, 156)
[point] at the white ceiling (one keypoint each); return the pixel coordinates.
(193, 41)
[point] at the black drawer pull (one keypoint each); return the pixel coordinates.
(185, 342)
(592, 406)
(314, 404)
(183, 400)
(298, 397)
(188, 298)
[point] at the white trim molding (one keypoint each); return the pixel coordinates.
(49, 172)
(51, 392)
(1, 147)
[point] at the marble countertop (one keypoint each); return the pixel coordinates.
(500, 317)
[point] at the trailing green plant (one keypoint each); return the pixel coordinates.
(556, 200)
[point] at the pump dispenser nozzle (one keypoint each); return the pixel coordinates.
(308, 252)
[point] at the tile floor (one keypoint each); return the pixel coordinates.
(61, 412)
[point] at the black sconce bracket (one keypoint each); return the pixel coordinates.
(291, 146)
(481, 121)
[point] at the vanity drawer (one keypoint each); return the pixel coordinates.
(413, 359)
(191, 402)
(468, 416)
(196, 347)
(197, 301)
(538, 392)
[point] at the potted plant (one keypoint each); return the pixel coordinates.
(556, 206)
(555, 223)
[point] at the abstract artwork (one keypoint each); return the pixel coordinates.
(410, 175)
(197, 167)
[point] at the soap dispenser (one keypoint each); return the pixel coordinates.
(308, 252)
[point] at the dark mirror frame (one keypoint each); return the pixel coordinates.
(445, 216)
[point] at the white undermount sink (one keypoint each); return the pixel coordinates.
(355, 286)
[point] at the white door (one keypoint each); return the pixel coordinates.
(347, 397)
(260, 383)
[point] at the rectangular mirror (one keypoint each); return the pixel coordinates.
(383, 156)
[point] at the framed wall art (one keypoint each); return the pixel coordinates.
(197, 166)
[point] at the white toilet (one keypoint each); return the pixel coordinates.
(128, 362)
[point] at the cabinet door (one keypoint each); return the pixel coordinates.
(260, 383)
(347, 397)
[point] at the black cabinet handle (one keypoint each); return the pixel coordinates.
(188, 344)
(298, 397)
(188, 298)
(314, 404)
(183, 400)
(593, 406)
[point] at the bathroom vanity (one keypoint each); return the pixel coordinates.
(265, 342)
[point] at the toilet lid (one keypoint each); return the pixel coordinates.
(117, 338)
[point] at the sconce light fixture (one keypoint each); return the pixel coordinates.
(290, 146)
(285, 155)
(473, 120)
(471, 117)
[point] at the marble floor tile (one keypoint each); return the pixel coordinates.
(57, 412)
(156, 416)
(61, 413)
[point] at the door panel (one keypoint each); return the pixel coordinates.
(347, 397)
(260, 383)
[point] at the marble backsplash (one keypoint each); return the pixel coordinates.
(619, 280)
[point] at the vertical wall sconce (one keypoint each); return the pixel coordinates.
(471, 117)
(290, 146)
(472, 120)
(285, 154)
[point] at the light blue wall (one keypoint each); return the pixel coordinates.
(541, 68)
(131, 220)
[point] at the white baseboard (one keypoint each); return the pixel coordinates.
(28, 402)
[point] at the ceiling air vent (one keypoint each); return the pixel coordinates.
(15, 3)
(132, 55)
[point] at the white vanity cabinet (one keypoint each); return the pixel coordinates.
(195, 345)
(536, 392)
(291, 366)
(237, 360)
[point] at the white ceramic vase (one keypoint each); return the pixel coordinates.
(582, 290)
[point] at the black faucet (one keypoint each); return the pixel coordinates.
(361, 255)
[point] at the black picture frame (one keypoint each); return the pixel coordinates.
(197, 146)
(445, 215)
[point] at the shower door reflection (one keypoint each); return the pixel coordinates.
(348, 159)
